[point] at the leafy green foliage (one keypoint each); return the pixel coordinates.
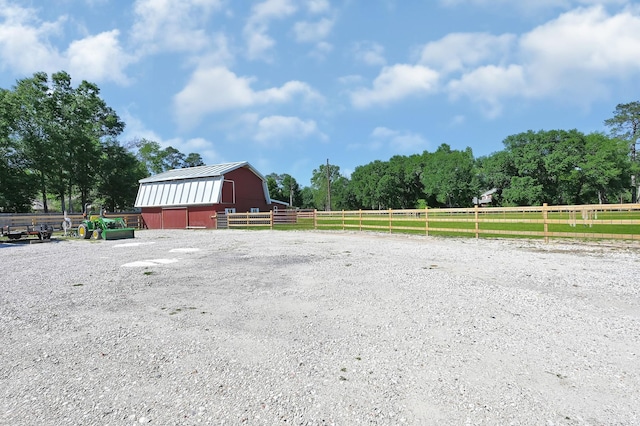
(285, 188)
(119, 173)
(157, 160)
(323, 185)
(448, 177)
(625, 125)
(558, 167)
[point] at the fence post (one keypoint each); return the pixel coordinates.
(271, 215)
(390, 220)
(360, 220)
(475, 210)
(426, 220)
(545, 217)
(343, 219)
(315, 219)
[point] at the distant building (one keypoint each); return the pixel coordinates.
(195, 197)
(485, 198)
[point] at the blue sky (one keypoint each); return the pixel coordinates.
(288, 84)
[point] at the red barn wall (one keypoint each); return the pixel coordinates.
(174, 218)
(201, 216)
(249, 191)
(152, 217)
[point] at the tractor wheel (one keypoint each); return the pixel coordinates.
(83, 231)
(96, 234)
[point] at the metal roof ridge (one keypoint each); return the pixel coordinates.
(212, 170)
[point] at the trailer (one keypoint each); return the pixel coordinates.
(17, 232)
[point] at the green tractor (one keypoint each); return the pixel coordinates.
(101, 227)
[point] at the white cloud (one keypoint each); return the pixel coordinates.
(259, 43)
(581, 50)
(321, 50)
(306, 32)
(278, 129)
(26, 47)
(217, 89)
(572, 58)
(136, 130)
(395, 83)
(175, 25)
(489, 85)
(369, 53)
(399, 141)
(458, 51)
(318, 6)
(99, 58)
(529, 5)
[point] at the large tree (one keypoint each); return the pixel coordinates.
(625, 124)
(118, 174)
(157, 159)
(365, 185)
(285, 188)
(606, 167)
(560, 167)
(27, 104)
(322, 180)
(449, 177)
(58, 130)
(17, 184)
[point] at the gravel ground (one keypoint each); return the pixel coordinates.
(261, 327)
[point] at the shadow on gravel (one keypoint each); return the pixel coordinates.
(26, 241)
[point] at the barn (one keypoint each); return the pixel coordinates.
(196, 197)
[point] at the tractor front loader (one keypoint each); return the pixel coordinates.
(100, 227)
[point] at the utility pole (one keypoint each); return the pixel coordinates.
(328, 187)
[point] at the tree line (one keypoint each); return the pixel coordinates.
(558, 167)
(59, 144)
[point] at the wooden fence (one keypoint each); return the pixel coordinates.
(594, 221)
(597, 221)
(132, 220)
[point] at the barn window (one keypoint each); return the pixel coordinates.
(230, 210)
(255, 210)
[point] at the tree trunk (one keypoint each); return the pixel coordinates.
(62, 201)
(43, 189)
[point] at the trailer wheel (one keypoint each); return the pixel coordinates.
(96, 234)
(83, 232)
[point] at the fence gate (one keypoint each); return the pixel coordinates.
(221, 221)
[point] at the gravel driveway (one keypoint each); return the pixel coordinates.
(265, 327)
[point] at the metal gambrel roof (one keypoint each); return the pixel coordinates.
(214, 170)
(191, 186)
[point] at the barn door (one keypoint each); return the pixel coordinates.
(174, 218)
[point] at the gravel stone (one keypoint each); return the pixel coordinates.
(186, 327)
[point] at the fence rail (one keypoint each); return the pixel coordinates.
(132, 220)
(598, 221)
(594, 221)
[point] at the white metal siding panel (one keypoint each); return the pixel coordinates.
(192, 192)
(180, 196)
(152, 195)
(217, 191)
(171, 194)
(208, 189)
